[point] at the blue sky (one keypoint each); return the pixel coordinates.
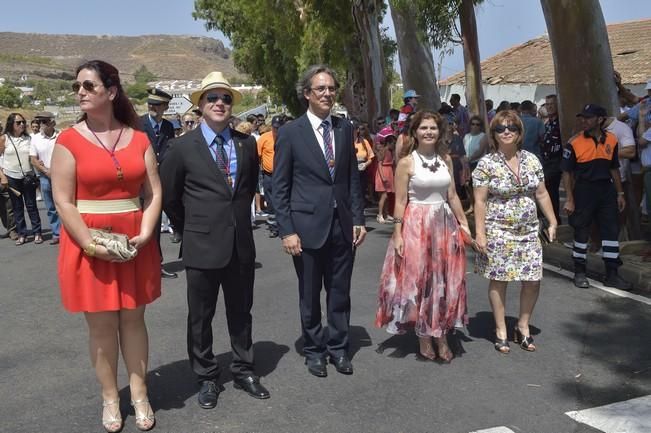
(501, 23)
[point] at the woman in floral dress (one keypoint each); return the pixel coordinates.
(507, 184)
(423, 285)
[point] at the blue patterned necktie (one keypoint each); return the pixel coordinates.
(327, 147)
(221, 158)
(156, 129)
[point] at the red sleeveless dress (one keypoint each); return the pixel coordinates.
(89, 284)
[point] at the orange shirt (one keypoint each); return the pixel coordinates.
(363, 150)
(266, 151)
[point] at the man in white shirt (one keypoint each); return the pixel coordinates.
(40, 155)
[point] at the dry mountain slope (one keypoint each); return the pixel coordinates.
(167, 57)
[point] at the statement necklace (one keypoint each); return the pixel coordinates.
(111, 151)
(428, 165)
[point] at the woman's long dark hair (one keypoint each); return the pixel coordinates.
(9, 126)
(123, 110)
(440, 147)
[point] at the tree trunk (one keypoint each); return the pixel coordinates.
(366, 14)
(575, 29)
(474, 89)
(416, 61)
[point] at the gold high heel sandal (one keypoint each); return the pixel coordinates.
(145, 420)
(113, 422)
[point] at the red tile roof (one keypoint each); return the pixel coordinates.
(531, 62)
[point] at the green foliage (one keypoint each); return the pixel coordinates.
(10, 97)
(137, 91)
(19, 58)
(275, 40)
(143, 75)
(436, 18)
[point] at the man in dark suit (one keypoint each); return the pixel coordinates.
(319, 210)
(160, 131)
(209, 179)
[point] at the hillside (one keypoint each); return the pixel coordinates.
(42, 56)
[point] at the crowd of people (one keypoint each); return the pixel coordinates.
(114, 180)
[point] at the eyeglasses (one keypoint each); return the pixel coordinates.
(214, 97)
(88, 85)
(189, 122)
(43, 121)
(475, 124)
(19, 122)
(320, 90)
(501, 128)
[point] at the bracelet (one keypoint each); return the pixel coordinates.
(90, 249)
(397, 220)
(620, 193)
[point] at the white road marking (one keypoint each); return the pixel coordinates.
(494, 430)
(598, 285)
(630, 416)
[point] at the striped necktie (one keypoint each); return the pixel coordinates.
(156, 129)
(221, 158)
(327, 148)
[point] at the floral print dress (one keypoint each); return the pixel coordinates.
(514, 251)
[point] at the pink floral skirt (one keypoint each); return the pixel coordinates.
(425, 290)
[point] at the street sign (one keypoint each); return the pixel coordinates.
(179, 104)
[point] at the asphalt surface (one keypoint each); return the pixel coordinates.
(593, 350)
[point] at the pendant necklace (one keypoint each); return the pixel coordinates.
(430, 166)
(517, 175)
(111, 152)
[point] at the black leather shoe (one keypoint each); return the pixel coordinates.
(317, 367)
(166, 274)
(581, 281)
(208, 394)
(252, 386)
(342, 364)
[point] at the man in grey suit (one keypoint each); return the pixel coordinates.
(209, 179)
(319, 210)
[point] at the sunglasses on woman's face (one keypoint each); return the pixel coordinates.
(501, 128)
(19, 122)
(88, 85)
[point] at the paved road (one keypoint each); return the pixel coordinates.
(593, 350)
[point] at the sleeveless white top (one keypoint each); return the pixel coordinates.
(426, 187)
(10, 164)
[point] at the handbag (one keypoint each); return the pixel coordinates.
(29, 179)
(542, 231)
(117, 244)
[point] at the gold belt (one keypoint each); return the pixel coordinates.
(108, 206)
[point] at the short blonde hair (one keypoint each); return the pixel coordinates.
(244, 128)
(511, 118)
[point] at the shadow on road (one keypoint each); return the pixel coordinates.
(170, 385)
(358, 337)
(482, 325)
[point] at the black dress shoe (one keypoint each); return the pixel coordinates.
(165, 274)
(581, 281)
(342, 364)
(252, 386)
(208, 394)
(317, 367)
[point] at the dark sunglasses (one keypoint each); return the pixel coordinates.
(88, 85)
(501, 128)
(189, 122)
(19, 122)
(43, 121)
(475, 124)
(214, 97)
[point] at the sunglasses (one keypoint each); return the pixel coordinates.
(19, 122)
(475, 124)
(43, 121)
(189, 122)
(501, 128)
(214, 97)
(88, 85)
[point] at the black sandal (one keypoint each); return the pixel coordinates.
(526, 343)
(502, 345)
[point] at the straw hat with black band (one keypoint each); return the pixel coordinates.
(215, 80)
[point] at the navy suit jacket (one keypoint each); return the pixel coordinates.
(304, 194)
(159, 143)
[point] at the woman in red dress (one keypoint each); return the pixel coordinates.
(100, 168)
(423, 284)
